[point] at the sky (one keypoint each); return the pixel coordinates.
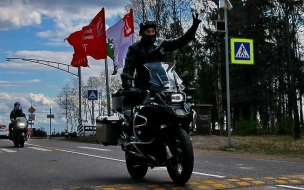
(36, 29)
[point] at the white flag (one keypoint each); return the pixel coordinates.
(119, 38)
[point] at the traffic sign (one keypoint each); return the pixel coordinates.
(31, 117)
(50, 116)
(30, 131)
(92, 95)
(31, 109)
(241, 51)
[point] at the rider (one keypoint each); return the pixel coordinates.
(16, 112)
(152, 49)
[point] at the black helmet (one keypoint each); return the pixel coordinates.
(147, 24)
(16, 103)
(17, 106)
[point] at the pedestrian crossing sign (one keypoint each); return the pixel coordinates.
(241, 51)
(92, 95)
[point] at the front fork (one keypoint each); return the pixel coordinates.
(193, 122)
(167, 140)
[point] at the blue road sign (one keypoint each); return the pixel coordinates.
(242, 51)
(92, 94)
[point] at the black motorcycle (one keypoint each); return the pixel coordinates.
(19, 129)
(156, 123)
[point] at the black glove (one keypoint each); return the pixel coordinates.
(196, 20)
(126, 86)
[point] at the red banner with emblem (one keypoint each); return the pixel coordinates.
(90, 41)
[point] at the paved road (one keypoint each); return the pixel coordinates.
(56, 164)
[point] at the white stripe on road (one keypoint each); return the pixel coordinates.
(211, 175)
(91, 155)
(40, 149)
(94, 148)
(7, 150)
(32, 144)
(289, 187)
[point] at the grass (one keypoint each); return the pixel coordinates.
(271, 144)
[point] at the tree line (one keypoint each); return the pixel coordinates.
(266, 97)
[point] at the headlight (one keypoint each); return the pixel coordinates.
(177, 97)
(21, 125)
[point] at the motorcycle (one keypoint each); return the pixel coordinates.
(19, 129)
(155, 124)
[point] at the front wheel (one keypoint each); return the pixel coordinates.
(180, 167)
(22, 140)
(15, 140)
(16, 143)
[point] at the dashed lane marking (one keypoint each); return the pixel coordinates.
(93, 148)
(38, 148)
(7, 150)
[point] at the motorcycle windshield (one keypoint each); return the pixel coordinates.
(162, 76)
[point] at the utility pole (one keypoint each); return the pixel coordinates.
(227, 5)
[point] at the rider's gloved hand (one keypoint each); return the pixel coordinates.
(126, 86)
(196, 20)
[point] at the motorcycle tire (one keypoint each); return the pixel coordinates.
(16, 143)
(180, 167)
(22, 140)
(15, 140)
(136, 167)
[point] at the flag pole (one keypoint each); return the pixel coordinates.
(107, 87)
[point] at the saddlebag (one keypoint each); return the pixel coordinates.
(107, 130)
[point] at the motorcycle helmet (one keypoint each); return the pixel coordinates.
(17, 106)
(147, 39)
(145, 25)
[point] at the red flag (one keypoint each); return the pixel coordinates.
(129, 24)
(79, 57)
(94, 37)
(90, 41)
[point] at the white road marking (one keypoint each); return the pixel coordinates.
(7, 150)
(211, 175)
(32, 144)
(90, 155)
(289, 187)
(38, 148)
(94, 148)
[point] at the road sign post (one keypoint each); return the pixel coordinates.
(92, 95)
(226, 5)
(31, 119)
(50, 116)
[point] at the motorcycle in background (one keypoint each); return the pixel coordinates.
(19, 129)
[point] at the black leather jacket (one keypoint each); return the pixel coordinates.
(139, 54)
(14, 114)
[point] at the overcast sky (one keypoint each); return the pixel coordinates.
(36, 29)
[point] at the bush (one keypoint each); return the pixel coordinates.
(247, 127)
(39, 133)
(286, 126)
